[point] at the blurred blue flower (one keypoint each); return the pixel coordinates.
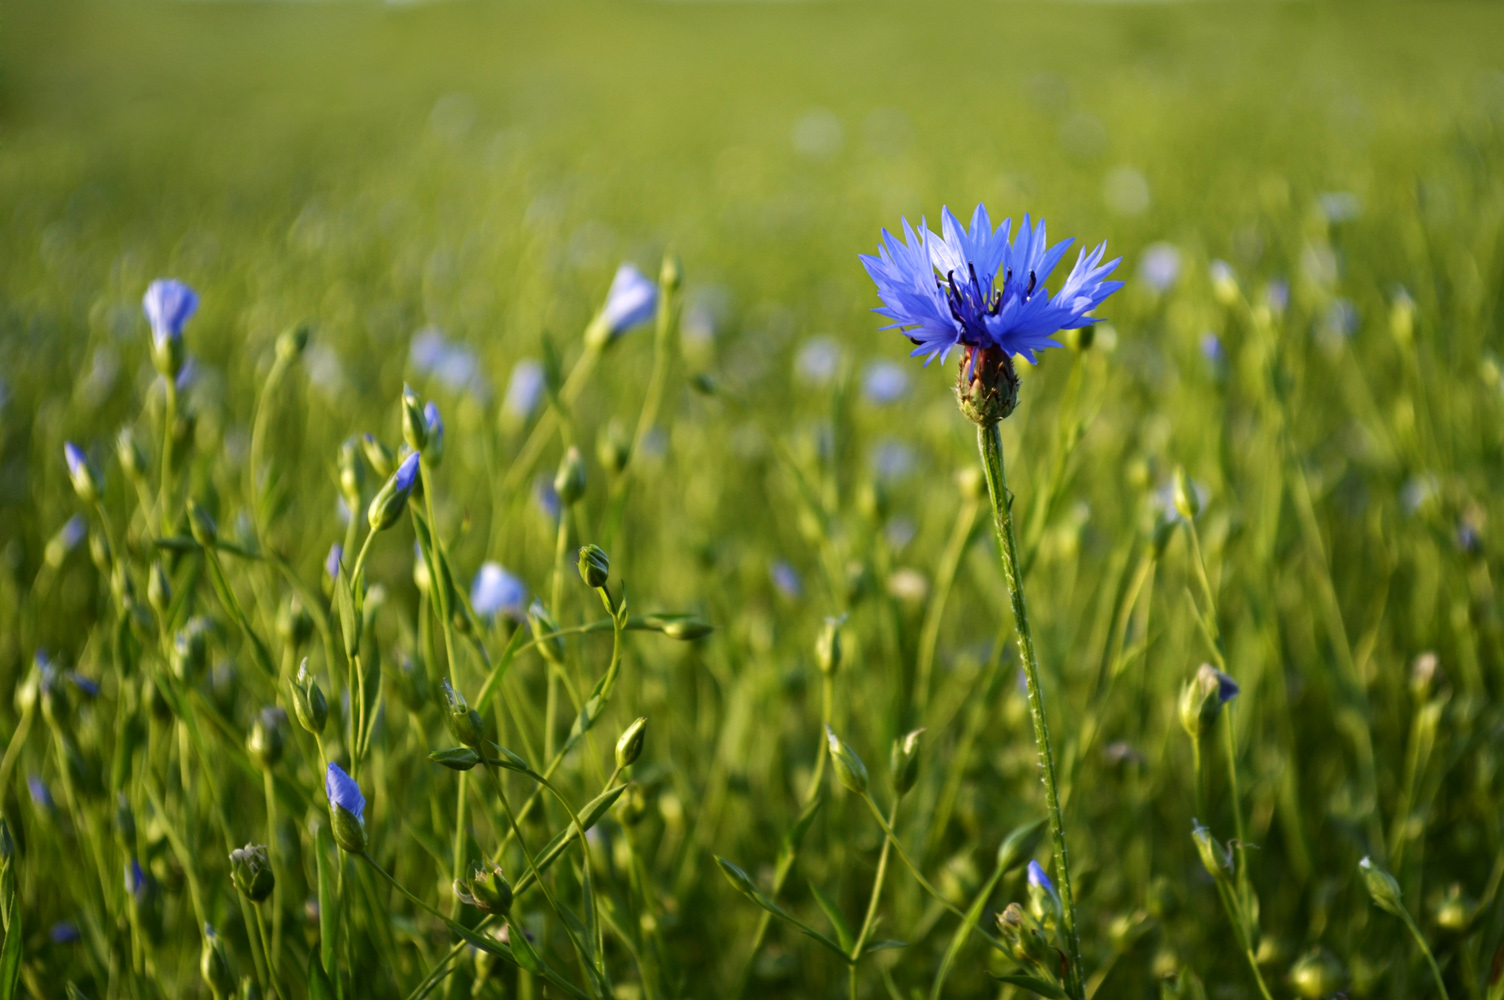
(76, 459)
(73, 532)
(547, 497)
(333, 559)
(63, 932)
(168, 304)
(41, 795)
(631, 301)
(344, 792)
(435, 423)
(1341, 318)
(135, 879)
(407, 473)
(1159, 267)
(83, 683)
(786, 579)
(942, 292)
(899, 532)
(187, 375)
(884, 383)
(893, 459)
(497, 592)
(1227, 688)
(1211, 348)
(817, 361)
(1038, 878)
(524, 389)
(1277, 295)
(1339, 206)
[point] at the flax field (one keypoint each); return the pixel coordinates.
(465, 534)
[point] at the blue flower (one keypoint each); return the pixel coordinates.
(83, 683)
(497, 592)
(333, 559)
(631, 301)
(406, 474)
(343, 792)
(78, 462)
(63, 932)
(548, 498)
(786, 579)
(168, 304)
(524, 389)
(976, 287)
(1227, 688)
(434, 423)
(41, 795)
(1159, 267)
(1038, 879)
(135, 880)
(1212, 349)
(818, 360)
(884, 383)
(73, 532)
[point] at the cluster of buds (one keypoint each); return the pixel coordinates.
(487, 889)
(308, 702)
(1028, 943)
(251, 871)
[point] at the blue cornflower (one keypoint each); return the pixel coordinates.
(1038, 879)
(631, 301)
(884, 383)
(333, 559)
(981, 290)
(497, 592)
(168, 305)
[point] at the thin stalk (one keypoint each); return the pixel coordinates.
(275, 954)
(1425, 950)
(164, 484)
(990, 443)
(877, 892)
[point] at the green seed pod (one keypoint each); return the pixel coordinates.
(569, 482)
(456, 758)
(202, 525)
(414, 427)
(903, 761)
(214, 966)
(1187, 501)
(158, 590)
(1382, 887)
(594, 566)
(1019, 846)
(251, 871)
(629, 746)
(308, 702)
(378, 456)
(848, 766)
(828, 646)
(487, 889)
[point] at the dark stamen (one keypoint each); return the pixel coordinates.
(1030, 290)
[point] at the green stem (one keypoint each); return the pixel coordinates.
(1425, 950)
(164, 485)
(990, 443)
(877, 892)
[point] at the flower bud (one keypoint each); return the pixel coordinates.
(1455, 911)
(1402, 319)
(214, 966)
(1019, 845)
(629, 746)
(251, 871)
(545, 630)
(487, 889)
(294, 623)
(189, 650)
(903, 761)
(828, 646)
(594, 566)
(292, 342)
(1224, 282)
(1215, 857)
(1202, 698)
(202, 525)
(268, 735)
(850, 770)
(1024, 939)
(308, 702)
(352, 473)
(632, 806)
(613, 448)
(389, 503)
(347, 808)
(1044, 901)
(378, 456)
(158, 590)
(130, 456)
(1382, 887)
(435, 424)
(86, 480)
(414, 426)
(464, 722)
(569, 482)
(455, 758)
(1187, 501)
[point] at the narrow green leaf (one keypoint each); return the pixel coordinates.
(328, 901)
(349, 616)
(886, 944)
(742, 882)
(836, 917)
(1037, 986)
(10, 954)
(968, 924)
(319, 986)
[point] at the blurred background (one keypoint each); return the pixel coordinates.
(1308, 202)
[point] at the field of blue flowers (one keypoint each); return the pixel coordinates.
(632, 500)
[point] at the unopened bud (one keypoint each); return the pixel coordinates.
(569, 483)
(251, 871)
(903, 761)
(850, 770)
(594, 566)
(545, 633)
(828, 646)
(414, 426)
(1382, 887)
(378, 456)
(86, 479)
(456, 758)
(352, 473)
(214, 966)
(1202, 698)
(389, 503)
(290, 343)
(1215, 857)
(613, 448)
(308, 702)
(268, 735)
(629, 746)
(132, 459)
(464, 722)
(294, 623)
(1187, 502)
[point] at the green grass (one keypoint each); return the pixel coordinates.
(484, 167)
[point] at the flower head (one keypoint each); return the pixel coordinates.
(1038, 878)
(168, 305)
(983, 288)
(347, 808)
(495, 591)
(524, 389)
(632, 300)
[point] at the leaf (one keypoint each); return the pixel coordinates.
(349, 617)
(886, 944)
(836, 917)
(589, 816)
(328, 901)
(10, 954)
(742, 882)
(319, 986)
(1037, 986)
(968, 924)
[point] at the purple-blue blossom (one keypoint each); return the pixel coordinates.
(524, 389)
(343, 792)
(983, 288)
(786, 579)
(631, 301)
(77, 461)
(333, 559)
(1038, 879)
(168, 305)
(495, 591)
